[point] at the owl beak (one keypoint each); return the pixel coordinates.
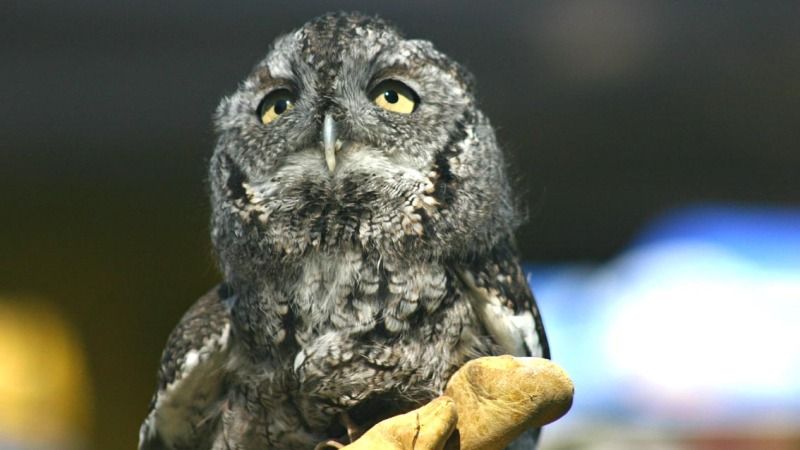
(329, 142)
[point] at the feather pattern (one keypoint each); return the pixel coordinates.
(367, 253)
(187, 405)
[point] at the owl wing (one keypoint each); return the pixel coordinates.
(498, 291)
(187, 404)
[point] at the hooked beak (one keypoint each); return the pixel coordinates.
(329, 141)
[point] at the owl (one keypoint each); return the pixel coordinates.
(363, 223)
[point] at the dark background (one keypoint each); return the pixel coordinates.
(611, 112)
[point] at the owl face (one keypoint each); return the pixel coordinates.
(347, 134)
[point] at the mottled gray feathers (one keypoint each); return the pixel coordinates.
(191, 377)
(357, 285)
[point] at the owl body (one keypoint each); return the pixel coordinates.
(363, 223)
(341, 357)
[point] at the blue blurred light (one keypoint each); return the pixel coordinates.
(768, 235)
(697, 322)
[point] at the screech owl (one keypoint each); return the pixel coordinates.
(364, 226)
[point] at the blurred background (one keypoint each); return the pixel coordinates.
(656, 146)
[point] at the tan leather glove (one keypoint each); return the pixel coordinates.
(489, 402)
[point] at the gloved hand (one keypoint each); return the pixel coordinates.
(486, 405)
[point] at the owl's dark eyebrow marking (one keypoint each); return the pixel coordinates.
(266, 80)
(264, 77)
(388, 73)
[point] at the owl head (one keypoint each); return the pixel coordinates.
(349, 136)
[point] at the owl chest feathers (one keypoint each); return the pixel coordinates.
(336, 303)
(353, 292)
(358, 328)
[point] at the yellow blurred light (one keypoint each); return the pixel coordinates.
(44, 389)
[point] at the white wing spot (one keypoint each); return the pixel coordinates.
(192, 358)
(511, 332)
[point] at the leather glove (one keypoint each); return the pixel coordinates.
(487, 403)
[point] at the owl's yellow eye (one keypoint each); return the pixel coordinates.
(395, 96)
(274, 104)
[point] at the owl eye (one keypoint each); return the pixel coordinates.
(274, 104)
(395, 96)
